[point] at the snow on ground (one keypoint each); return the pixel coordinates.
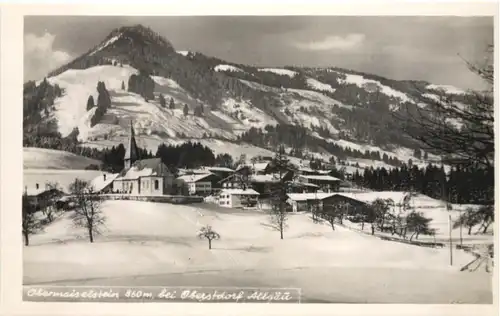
(259, 86)
(360, 81)
(79, 85)
(226, 68)
(107, 43)
(445, 88)
(167, 82)
(32, 177)
(143, 237)
(183, 52)
(431, 208)
(41, 158)
(279, 71)
(246, 113)
(317, 85)
(149, 117)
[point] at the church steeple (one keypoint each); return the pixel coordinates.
(131, 155)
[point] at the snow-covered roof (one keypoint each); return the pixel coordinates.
(397, 197)
(99, 183)
(272, 178)
(320, 177)
(144, 168)
(303, 184)
(194, 177)
(35, 191)
(240, 192)
(309, 196)
(222, 169)
(259, 166)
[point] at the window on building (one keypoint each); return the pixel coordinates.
(157, 184)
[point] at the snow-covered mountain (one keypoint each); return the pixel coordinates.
(336, 106)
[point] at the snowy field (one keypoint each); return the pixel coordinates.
(43, 166)
(41, 158)
(156, 244)
(63, 178)
(434, 209)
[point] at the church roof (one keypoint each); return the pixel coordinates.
(145, 168)
(132, 152)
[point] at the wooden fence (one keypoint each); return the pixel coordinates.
(172, 199)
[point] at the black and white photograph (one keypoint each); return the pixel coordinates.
(258, 159)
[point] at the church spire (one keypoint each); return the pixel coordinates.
(131, 155)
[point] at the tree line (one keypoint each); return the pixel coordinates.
(298, 138)
(461, 185)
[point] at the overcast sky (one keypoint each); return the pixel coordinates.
(423, 48)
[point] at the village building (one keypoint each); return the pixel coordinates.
(264, 184)
(301, 187)
(41, 197)
(235, 198)
(221, 172)
(304, 202)
(104, 183)
(255, 168)
(143, 177)
(326, 183)
(197, 184)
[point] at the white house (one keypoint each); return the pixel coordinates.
(237, 197)
(197, 183)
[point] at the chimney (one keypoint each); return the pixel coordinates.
(104, 176)
(37, 186)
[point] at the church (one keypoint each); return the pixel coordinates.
(142, 177)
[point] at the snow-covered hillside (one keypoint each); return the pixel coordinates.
(362, 82)
(226, 68)
(305, 97)
(148, 117)
(280, 71)
(41, 158)
(70, 109)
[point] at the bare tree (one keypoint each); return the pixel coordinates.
(487, 215)
(278, 216)
(31, 224)
(332, 213)
(418, 224)
(209, 234)
(460, 129)
(88, 213)
(49, 209)
(381, 209)
(278, 213)
(469, 218)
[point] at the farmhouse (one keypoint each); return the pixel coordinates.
(262, 183)
(104, 183)
(221, 172)
(143, 177)
(237, 197)
(199, 184)
(303, 202)
(42, 197)
(301, 187)
(255, 168)
(325, 182)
